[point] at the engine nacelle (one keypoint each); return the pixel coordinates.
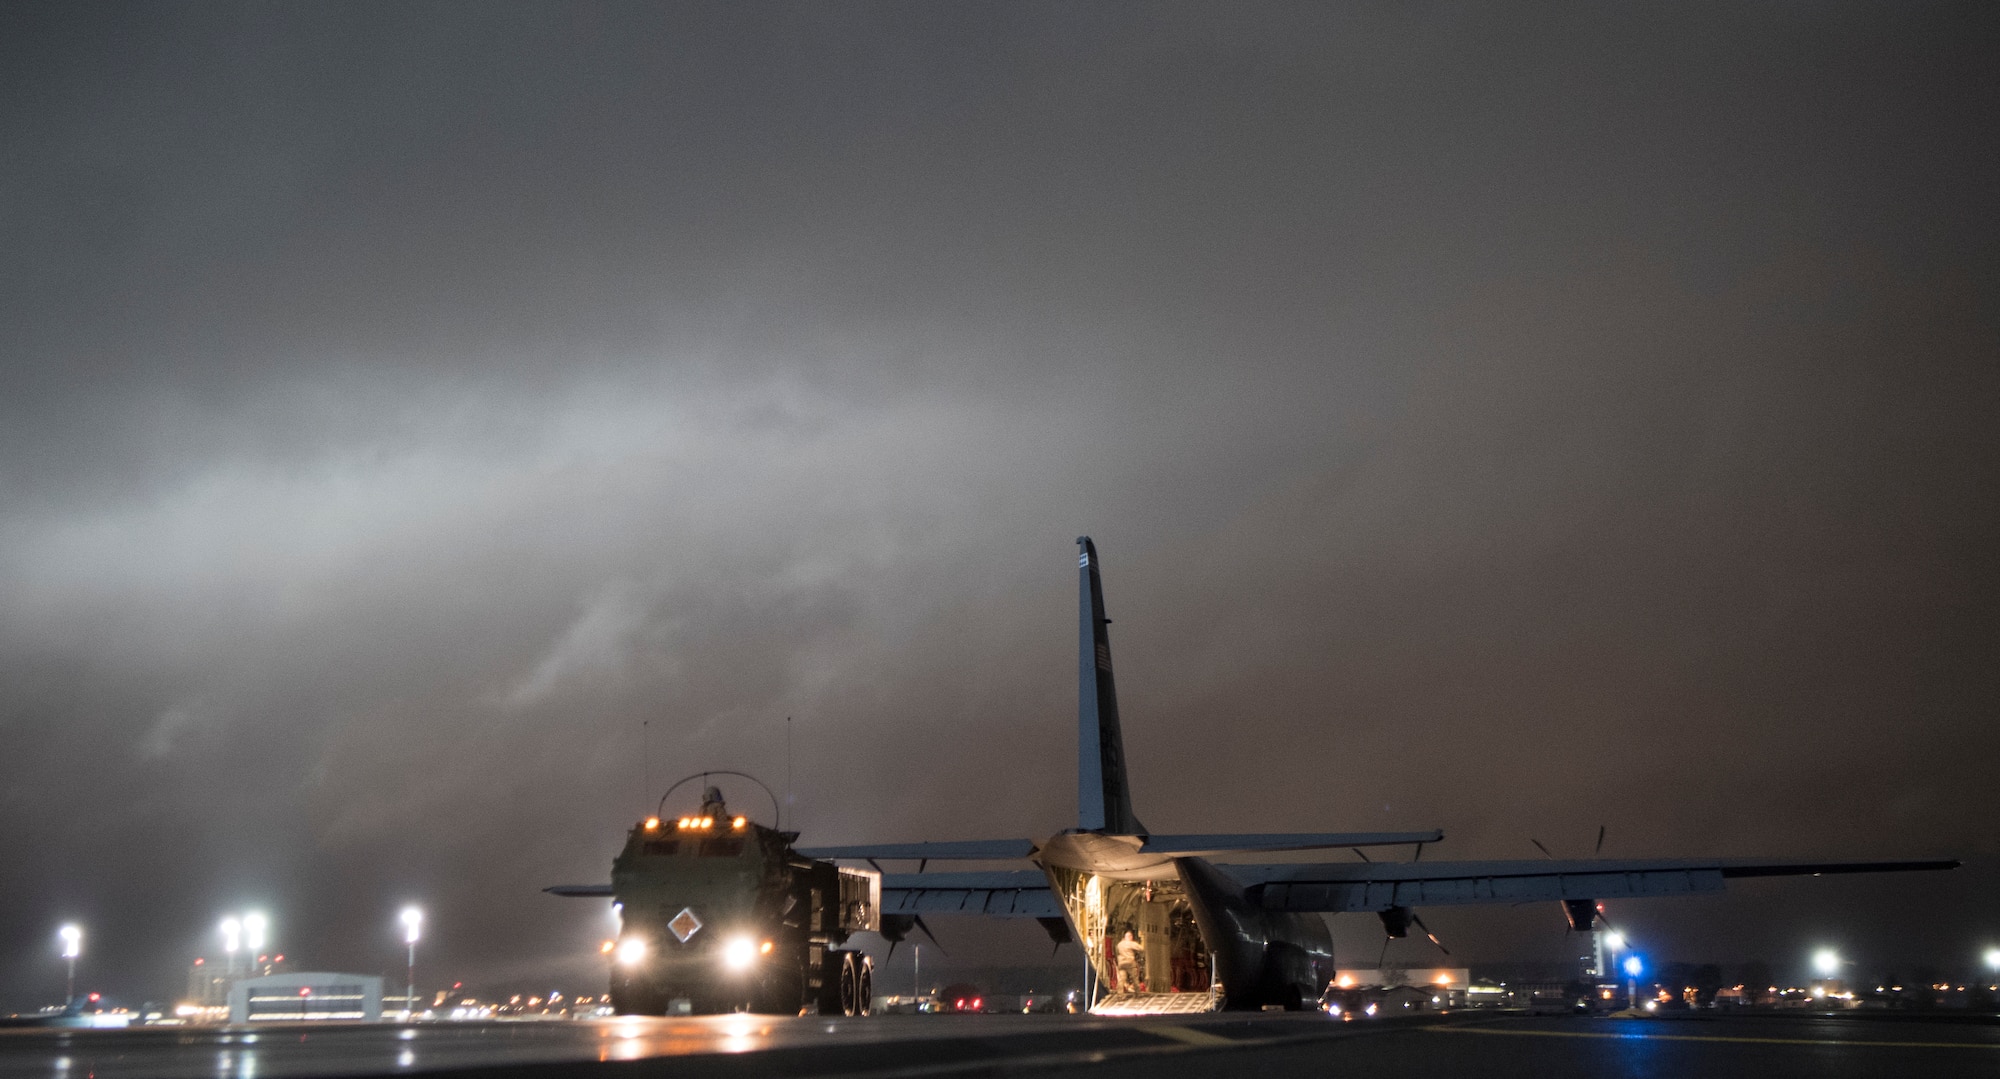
(1395, 921)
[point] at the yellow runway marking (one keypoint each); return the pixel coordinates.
(1712, 1038)
(1189, 1036)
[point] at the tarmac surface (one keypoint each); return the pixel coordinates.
(1269, 1046)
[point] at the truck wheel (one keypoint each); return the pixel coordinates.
(836, 983)
(850, 992)
(864, 985)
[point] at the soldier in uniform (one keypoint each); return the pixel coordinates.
(1130, 954)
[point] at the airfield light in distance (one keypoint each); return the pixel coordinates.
(232, 939)
(1827, 962)
(72, 938)
(413, 920)
(254, 924)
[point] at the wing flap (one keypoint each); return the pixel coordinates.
(1204, 846)
(1365, 886)
(1011, 894)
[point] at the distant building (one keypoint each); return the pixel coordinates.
(306, 996)
(208, 985)
(1433, 978)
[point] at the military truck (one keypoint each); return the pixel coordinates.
(717, 913)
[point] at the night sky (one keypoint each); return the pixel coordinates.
(426, 431)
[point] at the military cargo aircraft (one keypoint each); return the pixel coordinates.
(1166, 929)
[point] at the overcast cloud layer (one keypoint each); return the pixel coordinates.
(427, 431)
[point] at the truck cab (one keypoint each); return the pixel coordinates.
(718, 913)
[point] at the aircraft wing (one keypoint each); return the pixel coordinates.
(973, 850)
(583, 891)
(1019, 893)
(1376, 886)
(1204, 846)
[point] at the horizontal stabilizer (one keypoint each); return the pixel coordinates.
(585, 891)
(1375, 886)
(1204, 846)
(965, 850)
(1005, 894)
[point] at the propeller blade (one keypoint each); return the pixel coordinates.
(1384, 957)
(1599, 849)
(1428, 933)
(927, 932)
(1544, 850)
(1358, 854)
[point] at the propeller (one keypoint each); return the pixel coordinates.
(894, 927)
(1597, 849)
(1419, 922)
(1550, 855)
(1396, 922)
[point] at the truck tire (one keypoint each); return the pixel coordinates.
(864, 984)
(837, 984)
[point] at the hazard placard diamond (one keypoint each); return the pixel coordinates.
(685, 924)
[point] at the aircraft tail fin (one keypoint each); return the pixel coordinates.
(1103, 800)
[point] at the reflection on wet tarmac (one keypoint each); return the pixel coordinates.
(633, 1039)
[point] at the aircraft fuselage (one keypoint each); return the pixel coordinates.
(1197, 927)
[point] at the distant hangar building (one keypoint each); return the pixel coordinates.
(306, 996)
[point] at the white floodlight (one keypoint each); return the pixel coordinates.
(232, 935)
(254, 924)
(413, 919)
(1827, 962)
(1614, 940)
(72, 939)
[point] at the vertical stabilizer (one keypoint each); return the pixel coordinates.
(1103, 801)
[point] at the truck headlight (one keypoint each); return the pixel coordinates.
(632, 951)
(739, 953)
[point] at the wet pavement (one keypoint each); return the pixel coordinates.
(1268, 1046)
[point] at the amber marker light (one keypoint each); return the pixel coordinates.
(652, 823)
(739, 822)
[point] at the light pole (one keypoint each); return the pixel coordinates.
(1993, 960)
(72, 939)
(254, 925)
(412, 920)
(1632, 968)
(232, 938)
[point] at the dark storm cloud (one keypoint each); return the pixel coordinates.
(1507, 421)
